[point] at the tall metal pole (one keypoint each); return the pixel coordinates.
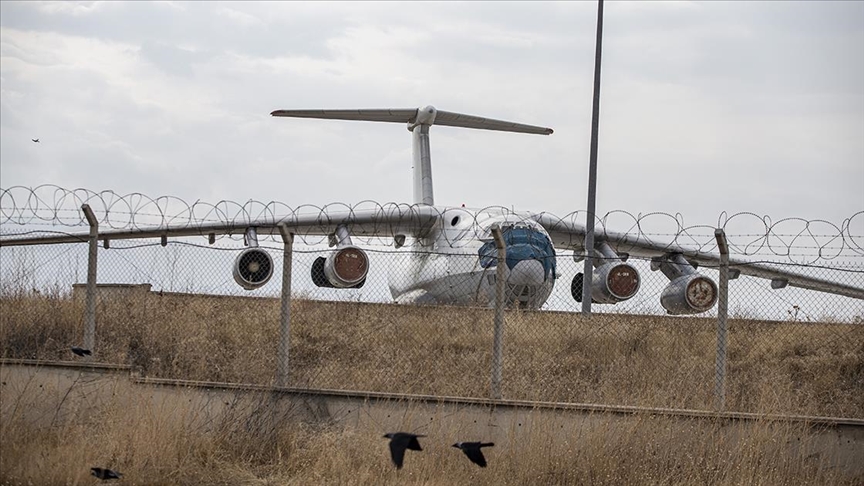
(592, 172)
(90, 305)
(285, 316)
(498, 338)
(722, 310)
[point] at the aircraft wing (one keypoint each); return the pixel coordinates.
(568, 234)
(382, 221)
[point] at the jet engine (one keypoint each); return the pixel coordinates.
(253, 268)
(688, 292)
(345, 268)
(613, 280)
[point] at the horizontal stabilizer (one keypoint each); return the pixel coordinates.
(469, 121)
(396, 116)
(409, 115)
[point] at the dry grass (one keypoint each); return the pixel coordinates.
(264, 445)
(808, 369)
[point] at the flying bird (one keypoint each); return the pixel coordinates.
(81, 351)
(399, 441)
(36, 140)
(472, 450)
(104, 474)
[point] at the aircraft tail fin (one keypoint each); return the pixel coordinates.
(419, 120)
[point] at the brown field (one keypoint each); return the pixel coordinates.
(259, 444)
(813, 369)
(774, 367)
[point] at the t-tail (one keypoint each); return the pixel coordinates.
(419, 120)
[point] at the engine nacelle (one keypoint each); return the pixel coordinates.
(253, 267)
(613, 282)
(689, 294)
(345, 268)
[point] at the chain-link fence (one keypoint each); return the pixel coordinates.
(173, 309)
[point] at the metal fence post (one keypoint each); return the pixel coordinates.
(285, 316)
(498, 339)
(722, 310)
(90, 306)
(588, 272)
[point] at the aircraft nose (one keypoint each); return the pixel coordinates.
(527, 251)
(526, 272)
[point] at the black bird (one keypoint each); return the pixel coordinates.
(104, 474)
(81, 351)
(399, 441)
(472, 450)
(36, 140)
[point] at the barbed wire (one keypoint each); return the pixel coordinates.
(748, 234)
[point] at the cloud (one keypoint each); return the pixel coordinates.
(74, 9)
(243, 19)
(705, 106)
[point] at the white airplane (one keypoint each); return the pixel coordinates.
(449, 253)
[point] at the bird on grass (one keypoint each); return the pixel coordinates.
(103, 473)
(472, 450)
(399, 441)
(81, 351)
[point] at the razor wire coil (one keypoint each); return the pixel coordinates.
(24, 208)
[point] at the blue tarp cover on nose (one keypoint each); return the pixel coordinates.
(522, 244)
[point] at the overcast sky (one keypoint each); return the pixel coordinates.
(705, 106)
